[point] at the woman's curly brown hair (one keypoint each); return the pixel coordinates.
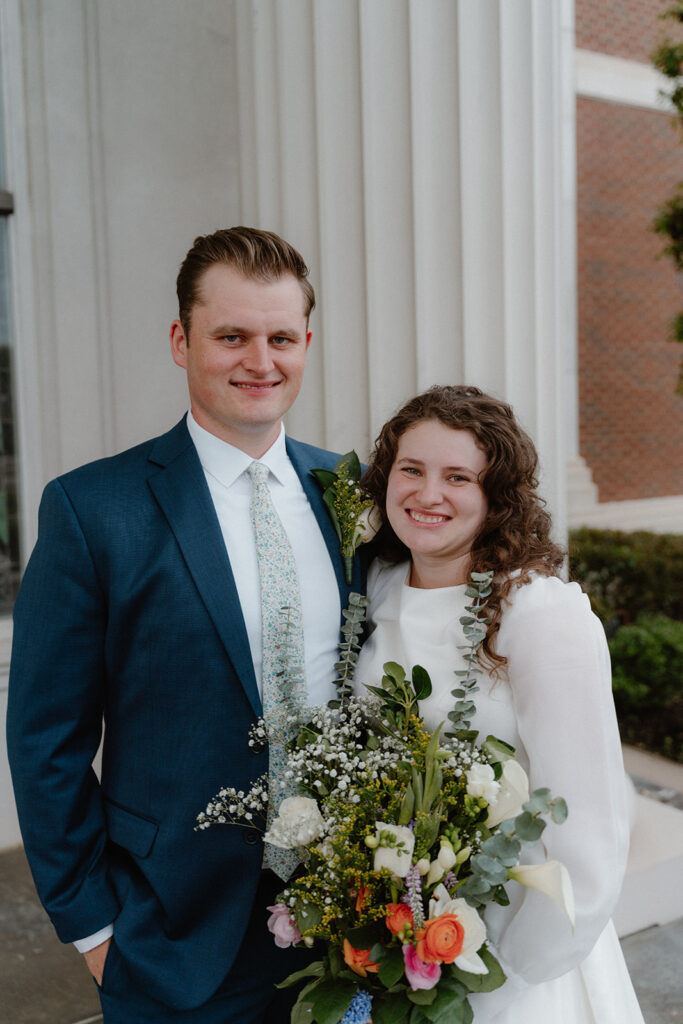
(515, 535)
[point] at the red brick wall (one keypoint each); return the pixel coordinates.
(621, 28)
(631, 420)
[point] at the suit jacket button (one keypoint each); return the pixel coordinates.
(250, 837)
(257, 747)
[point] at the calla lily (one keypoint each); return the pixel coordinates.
(513, 792)
(552, 878)
(367, 525)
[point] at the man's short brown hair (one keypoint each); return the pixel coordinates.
(260, 255)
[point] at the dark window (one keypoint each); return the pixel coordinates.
(9, 520)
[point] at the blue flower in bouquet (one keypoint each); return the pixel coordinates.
(360, 1009)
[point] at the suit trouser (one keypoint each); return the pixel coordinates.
(246, 996)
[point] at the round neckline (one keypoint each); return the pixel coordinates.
(428, 590)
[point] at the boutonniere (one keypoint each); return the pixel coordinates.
(355, 517)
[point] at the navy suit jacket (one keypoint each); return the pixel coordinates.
(128, 613)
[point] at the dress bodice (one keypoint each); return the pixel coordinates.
(422, 627)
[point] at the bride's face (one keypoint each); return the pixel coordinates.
(435, 502)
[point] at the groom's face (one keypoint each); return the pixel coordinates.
(244, 356)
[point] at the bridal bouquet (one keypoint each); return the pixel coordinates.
(405, 836)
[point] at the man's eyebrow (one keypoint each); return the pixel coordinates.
(287, 332)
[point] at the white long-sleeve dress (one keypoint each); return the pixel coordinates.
(555, 707)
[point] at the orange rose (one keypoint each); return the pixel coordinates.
(441, 940)
(361, 897)
(398, 916)
(359, 960)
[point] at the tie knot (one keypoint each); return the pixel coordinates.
(258, 472)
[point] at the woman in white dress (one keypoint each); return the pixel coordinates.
(455, 479)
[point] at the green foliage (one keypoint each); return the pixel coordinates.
(626, 574)
(669, 222)
(668, 59)
(647, 667)
(635, 583)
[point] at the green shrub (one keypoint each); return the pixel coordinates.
(647, 670)
(627, 574)
(635, 583)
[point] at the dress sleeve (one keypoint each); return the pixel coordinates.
(559, 674)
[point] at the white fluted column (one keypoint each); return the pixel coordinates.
(423, 163)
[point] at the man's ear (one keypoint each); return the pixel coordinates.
(179, 344)
(309, 335)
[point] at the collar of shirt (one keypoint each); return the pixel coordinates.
(225, 463)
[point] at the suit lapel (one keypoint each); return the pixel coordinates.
(304, 458)
(180, 488)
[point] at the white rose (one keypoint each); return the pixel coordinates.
(398, 856)
(298, 823)
(473, 926)
(514, 791)
(551, 878)
(481, 782)
(367, 525)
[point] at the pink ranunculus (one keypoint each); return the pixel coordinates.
(419, 974)
(283, 926)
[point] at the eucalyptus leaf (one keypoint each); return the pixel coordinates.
(538, 802)
(503, 848)
(528, 828)
(493, 871)
(559, 810)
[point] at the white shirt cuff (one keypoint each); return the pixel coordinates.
(90, 941)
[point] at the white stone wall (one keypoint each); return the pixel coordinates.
(420, 153)
(122, 146)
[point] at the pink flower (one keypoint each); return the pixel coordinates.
(419, 974)
(283, 926)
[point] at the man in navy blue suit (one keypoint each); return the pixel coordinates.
(140, 608)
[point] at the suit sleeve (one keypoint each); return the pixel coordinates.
(54, 722)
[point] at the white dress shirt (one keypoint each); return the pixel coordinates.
(225, 468)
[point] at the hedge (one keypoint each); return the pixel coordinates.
(635, 583)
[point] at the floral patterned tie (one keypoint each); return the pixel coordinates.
(282, 639)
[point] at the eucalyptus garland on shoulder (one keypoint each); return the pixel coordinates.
(405, 837)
